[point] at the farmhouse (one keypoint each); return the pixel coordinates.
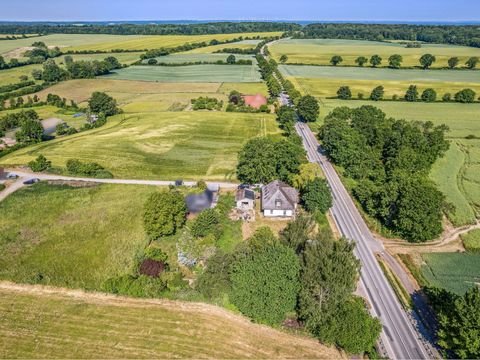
(279, 200)
(245, 199)
(255, 101)
(198, 202)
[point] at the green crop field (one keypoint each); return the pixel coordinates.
(320, 51)
(55, 324)
(456, 272)
(74, 237)
(161, 145)
(192, 73)
(365, 73)
(471, 240)
(194, 57)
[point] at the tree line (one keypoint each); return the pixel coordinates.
(395, 61)
(149, 29)
(443, 34)
(389, 160)
(412, 94)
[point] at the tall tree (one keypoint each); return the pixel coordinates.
(427, 60)
(335, 60)
(308, 108)
(283, 59)
(316, 196)
(395, 61)
(361, 60)
(472, 62)
(412, 93)
(344, 93)
(256, 161)
(377, 93)
(375, 60)
(165, 213)
(100, 102)
(453, 62)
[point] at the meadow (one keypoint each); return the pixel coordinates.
(456, 272)
(159, 145)
(73, 237)
(12, 76)
(49, 323)
(194, 57)
(320, 51)
(124, 58)
(192, 73)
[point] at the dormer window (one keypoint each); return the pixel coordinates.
(278, 203)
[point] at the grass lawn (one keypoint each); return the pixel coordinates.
(55, 324)
(162, 145)
(471, 240)
(456, 272)
(74, 237)
(194, 57)
(320, 51)
(193, 73)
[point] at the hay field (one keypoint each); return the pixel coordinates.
(73, 237)
(159, 145)
(192, 73)
(55, 323)
(124, 58)
(456, 272)
(320, 51)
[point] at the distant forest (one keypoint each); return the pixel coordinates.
(443, 34)
(149, 29)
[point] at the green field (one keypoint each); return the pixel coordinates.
(74, 237)
(12, 76)
(55, 324)
(365, 73)
(471, 240)
(194, 57)
(193, 73)
(456, 272)
(320, 51)
(161, 145)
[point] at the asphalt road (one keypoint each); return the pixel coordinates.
(400, 338)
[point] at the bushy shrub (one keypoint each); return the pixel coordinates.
(164, 214)
(206, 223)
(40, 164)
(92, 169)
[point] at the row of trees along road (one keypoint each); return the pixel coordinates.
(395, 61)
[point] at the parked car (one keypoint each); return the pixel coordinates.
(12, 176)
(31, 181)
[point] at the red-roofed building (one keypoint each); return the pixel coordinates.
(255, 101)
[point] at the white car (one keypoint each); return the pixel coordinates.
(12, 176)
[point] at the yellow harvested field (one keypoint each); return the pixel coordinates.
(46, 322)
(159, 41)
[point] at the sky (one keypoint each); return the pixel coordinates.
(321, 10)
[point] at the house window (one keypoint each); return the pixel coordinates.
(271, 211)
(284, 212)
(278, 203)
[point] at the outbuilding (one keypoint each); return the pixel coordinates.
(245, 199)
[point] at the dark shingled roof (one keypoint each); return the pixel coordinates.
(245, 194)
(279, 196)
